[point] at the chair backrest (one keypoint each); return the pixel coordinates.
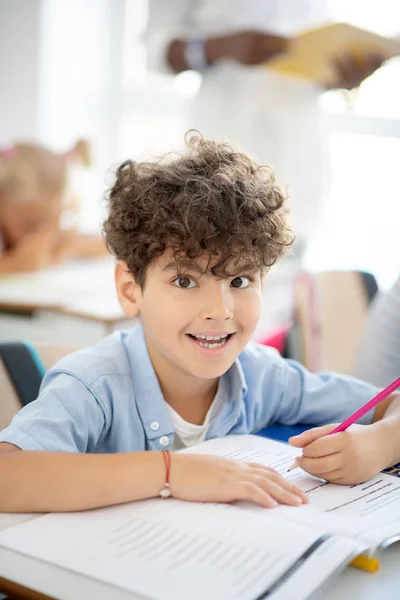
(26, 369)
(331, 309)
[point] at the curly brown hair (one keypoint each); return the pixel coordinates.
(211, 201)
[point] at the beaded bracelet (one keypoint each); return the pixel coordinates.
(165, 492)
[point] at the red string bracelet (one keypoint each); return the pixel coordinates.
(165, 491)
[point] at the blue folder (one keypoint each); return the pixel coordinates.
(283, 432)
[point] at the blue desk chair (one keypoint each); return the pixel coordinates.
(22, 367)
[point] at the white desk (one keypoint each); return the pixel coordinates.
(73, 304)
(59, 583)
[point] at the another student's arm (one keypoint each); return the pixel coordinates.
(89, 246)
(6, 265)
(72, 244)
(52, 481)
(34, 252)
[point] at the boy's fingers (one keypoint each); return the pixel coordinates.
(309, 436)
(320, 466)
(277, 481)
(250, 492)
(256, 465)
(324, 446)
(279, 493)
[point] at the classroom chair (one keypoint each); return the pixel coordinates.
(22, 366)
(330, 313)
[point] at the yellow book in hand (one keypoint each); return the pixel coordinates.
(311, 55)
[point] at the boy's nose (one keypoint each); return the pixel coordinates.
(218, 306)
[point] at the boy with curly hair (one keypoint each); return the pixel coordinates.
(194, 236)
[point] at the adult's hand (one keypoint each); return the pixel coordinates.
(245, 47)
(253, 47)
(351, 70)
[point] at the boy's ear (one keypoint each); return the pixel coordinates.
(128, 291)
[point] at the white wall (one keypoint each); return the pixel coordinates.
(60, 72)
(19, 69)
(80, 75)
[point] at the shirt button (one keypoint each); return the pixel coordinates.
(164, 440)
(155, 425)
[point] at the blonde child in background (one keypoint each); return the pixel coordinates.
(34, 198)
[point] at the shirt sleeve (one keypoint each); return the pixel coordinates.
(318, 399)
(66, 417)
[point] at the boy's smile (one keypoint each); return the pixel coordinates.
(195, 324)
(211, 342)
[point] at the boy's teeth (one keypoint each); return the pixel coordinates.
(217, 340)
(211, 337)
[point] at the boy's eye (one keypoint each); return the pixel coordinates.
(241, 282)
(184, 282)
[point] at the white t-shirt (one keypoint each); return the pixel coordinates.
(188, 434)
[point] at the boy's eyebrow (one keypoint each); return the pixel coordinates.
(249, 268)
(174, 266)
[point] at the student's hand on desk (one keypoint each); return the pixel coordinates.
(351, 70)
(346, 458)
(203, 478)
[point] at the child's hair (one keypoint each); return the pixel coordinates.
(26, 170)
(211, 201)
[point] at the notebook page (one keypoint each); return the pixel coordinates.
(172, 549)
(369, 512)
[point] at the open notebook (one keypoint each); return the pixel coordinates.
(171, 549)
(312, 54)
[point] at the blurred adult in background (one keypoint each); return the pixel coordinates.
(273, 117)
(34, 201)
(378, 357)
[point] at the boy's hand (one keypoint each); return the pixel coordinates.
(204, 478)
(348, 457)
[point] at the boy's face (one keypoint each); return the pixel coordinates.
(180, 310)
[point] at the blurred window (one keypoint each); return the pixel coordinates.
(359, 228)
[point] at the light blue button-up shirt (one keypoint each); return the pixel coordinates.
(106, 398)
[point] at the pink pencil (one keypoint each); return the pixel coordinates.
(368, 406)
(361, 411)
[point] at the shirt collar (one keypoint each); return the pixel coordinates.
(150, 401)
